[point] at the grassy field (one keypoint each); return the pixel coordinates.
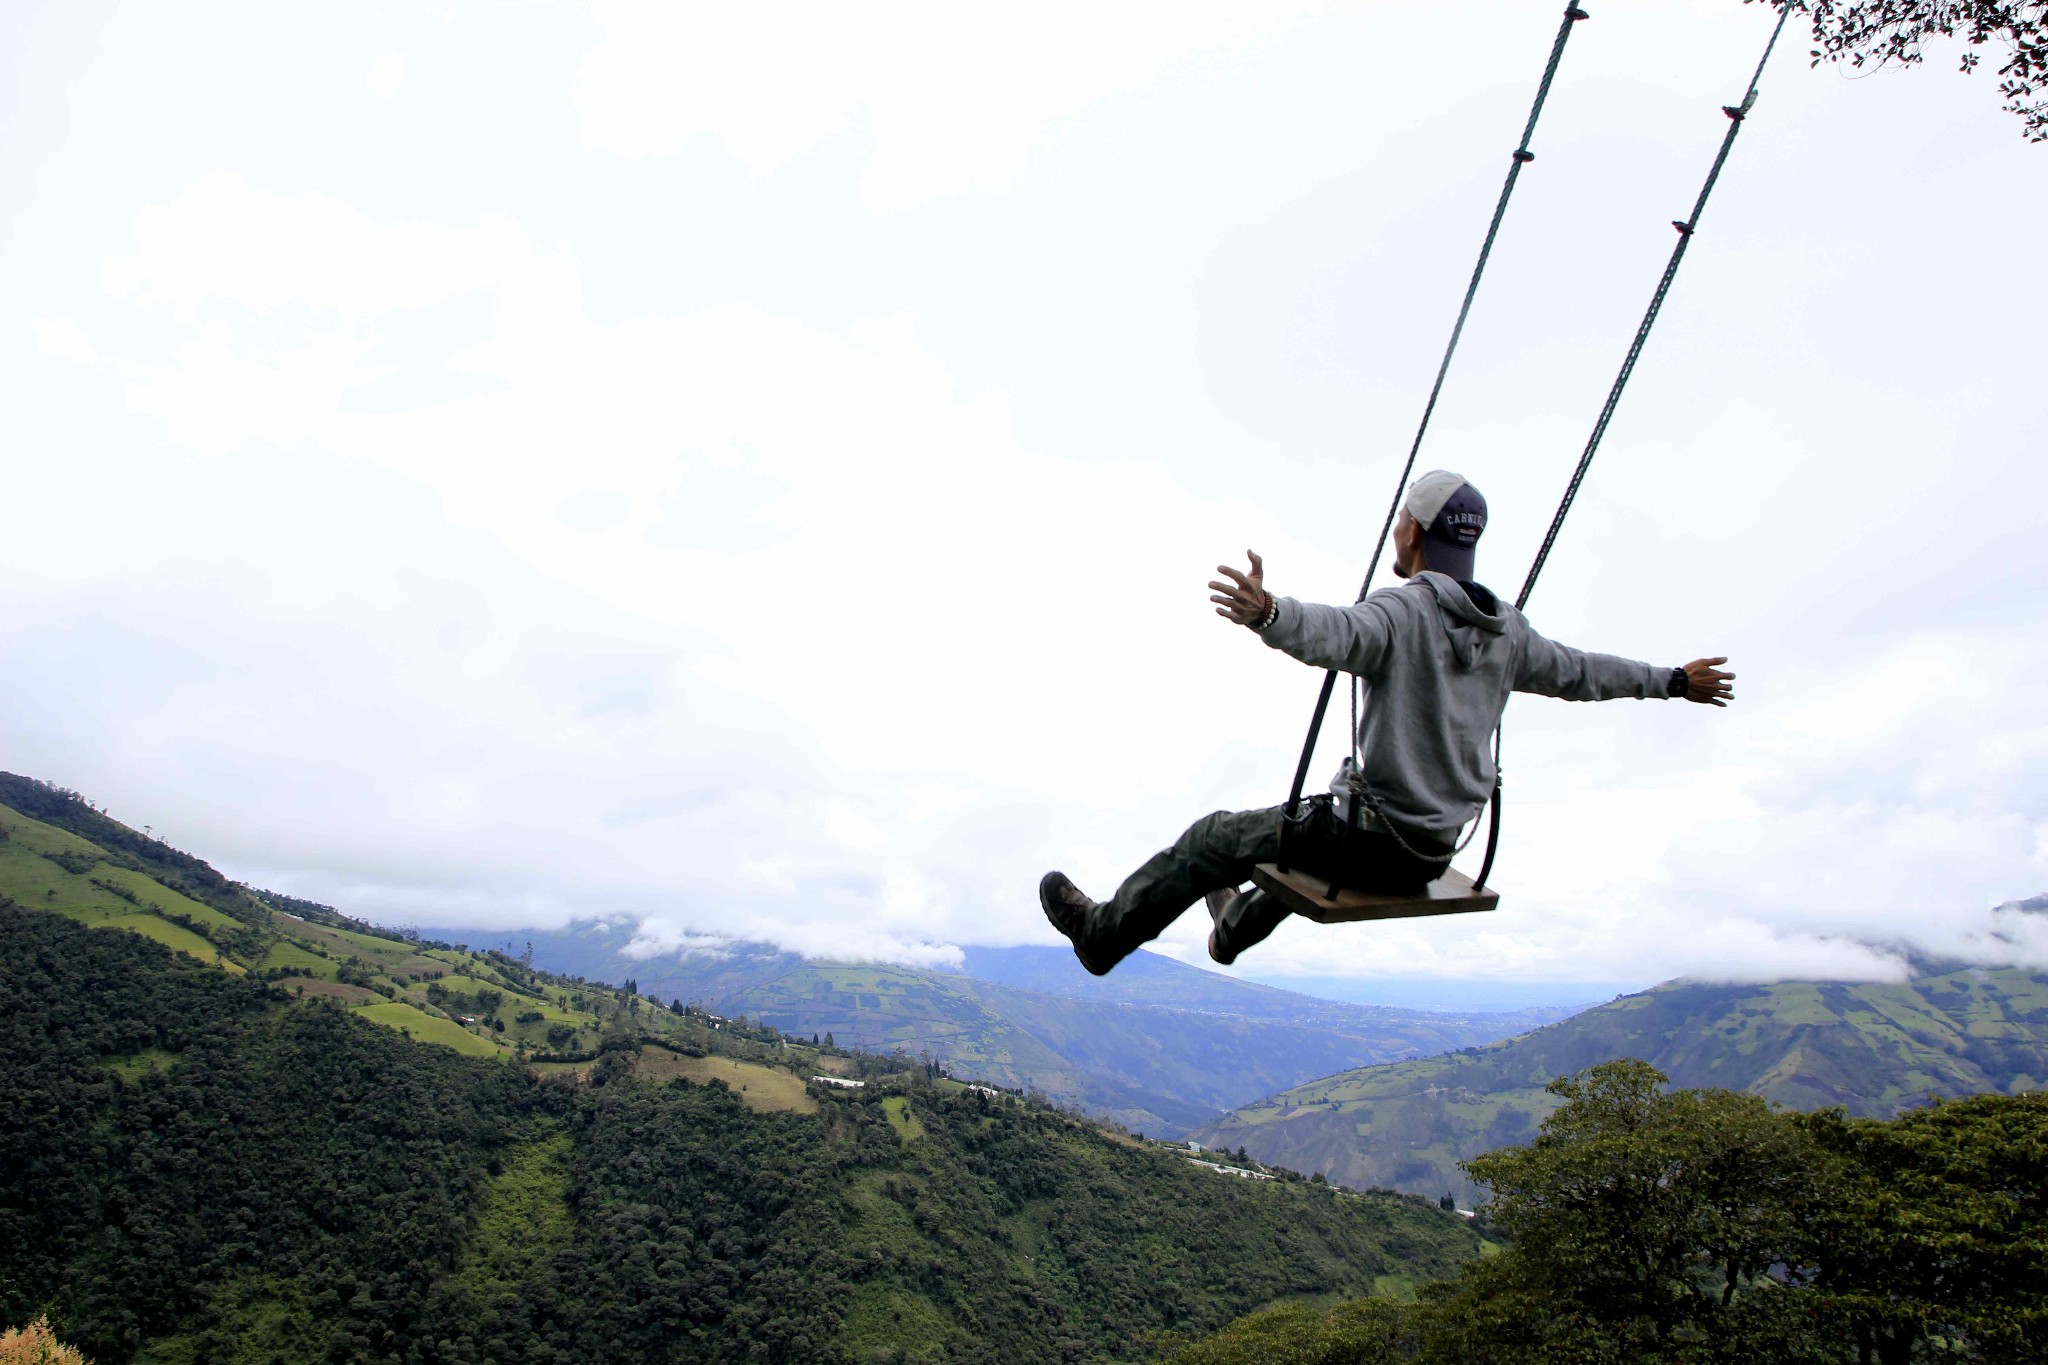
(524, 1219)
(896, 1108)
(402, 962)
(173, 936)
(300, 960)
(137, 1065)
(763, 1089)
(427, 1028)
(36, 869)
(312, 987)
(31, 873)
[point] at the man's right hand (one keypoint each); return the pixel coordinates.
(1707, 684)
(1243, 599)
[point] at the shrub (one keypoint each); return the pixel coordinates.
(36, 1344)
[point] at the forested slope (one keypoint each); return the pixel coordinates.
(200, 1165)
(1652, 1226)
(1872, 1048)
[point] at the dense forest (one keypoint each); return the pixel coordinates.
(197, 1166)
(1654, 1225)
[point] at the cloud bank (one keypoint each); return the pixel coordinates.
(755, 478)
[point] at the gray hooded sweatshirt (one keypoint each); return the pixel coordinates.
(1438, 667)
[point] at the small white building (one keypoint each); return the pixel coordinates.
(839, 1081)
(1230, 1170)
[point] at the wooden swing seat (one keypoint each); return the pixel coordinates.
(1307, 894)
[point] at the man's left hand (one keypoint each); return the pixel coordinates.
(1707, 684)
(1243, 599)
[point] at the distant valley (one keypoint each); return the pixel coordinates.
(1157, 1046)
(1872, 1048)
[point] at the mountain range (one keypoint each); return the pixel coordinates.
(1872, 1048)
(1157, 1046)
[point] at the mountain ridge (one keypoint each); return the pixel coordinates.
(1872, 1048)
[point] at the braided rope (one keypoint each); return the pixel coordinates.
(1736, 114)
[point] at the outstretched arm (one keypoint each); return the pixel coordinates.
(1554, 670)
(1351, 638)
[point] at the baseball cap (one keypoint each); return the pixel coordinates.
(1452, 514)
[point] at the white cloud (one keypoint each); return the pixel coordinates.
(218, 241)
(65, 340)
(387, 75)
(896, 619)
(955, 97)
(926, 550)
(505, 523)
(216, 396)
(933, 585)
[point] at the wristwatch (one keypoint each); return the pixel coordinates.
(1678, 683)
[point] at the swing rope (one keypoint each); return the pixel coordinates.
(1736, 114)
(1522, 157)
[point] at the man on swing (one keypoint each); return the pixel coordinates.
(1439, 655)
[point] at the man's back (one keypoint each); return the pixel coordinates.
(1439, 659)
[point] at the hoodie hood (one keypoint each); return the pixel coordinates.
(1470, 624)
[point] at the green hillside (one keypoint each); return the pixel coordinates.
(1158, 1047)
(285, 1136)
(1874, 1049)
(280, 1180)
(71, 860)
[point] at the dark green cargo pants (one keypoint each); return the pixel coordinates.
(1219, 850)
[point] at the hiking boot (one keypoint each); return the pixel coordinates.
(1219, 901)
(1069, 910)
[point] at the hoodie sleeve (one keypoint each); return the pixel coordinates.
(1554, 670)
(1353, 638)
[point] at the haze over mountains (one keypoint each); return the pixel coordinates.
(1157, 1046)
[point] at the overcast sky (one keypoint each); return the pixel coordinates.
(755, 468)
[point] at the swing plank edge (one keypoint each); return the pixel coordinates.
(1305, 894)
